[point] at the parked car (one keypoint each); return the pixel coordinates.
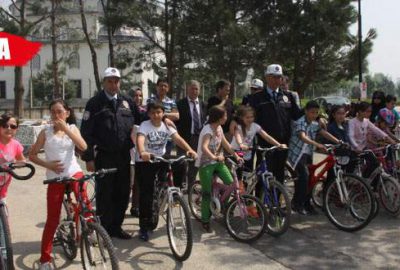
(327, 102)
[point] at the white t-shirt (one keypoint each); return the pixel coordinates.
(214, 145)
(247, 140)
(156, 138)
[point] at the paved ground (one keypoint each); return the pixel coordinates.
(310, 243)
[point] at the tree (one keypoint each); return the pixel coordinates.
(22, 27)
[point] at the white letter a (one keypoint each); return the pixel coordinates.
(4, 49)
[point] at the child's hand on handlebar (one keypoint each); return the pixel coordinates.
(220, 158)
(191, 154)
(282, 146)
(322, 148)
(145, 156)
(244, 147)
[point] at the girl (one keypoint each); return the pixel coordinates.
(151, 140)
(378, 103)
(210, 160)
(244, 134)
(337, 123)
(58, 140)
(10, 149)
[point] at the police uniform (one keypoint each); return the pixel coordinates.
(275, 116)
(106, 127)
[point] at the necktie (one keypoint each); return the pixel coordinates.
(275, 95)
(114, 103)
(196, 120)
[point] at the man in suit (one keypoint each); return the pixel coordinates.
(192, 116)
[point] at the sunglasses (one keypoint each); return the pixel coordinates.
(7, 126)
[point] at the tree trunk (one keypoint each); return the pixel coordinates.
(18, 92)
(106, 8)
(91, 47)
(56, 89)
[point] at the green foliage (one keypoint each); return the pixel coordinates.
(43, 85)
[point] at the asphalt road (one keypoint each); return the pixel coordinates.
(310, 243)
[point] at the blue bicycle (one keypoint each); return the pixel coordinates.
(273, 194)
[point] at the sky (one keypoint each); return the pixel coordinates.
(384, 16)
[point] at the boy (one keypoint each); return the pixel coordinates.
(151, 140)
(301, 146)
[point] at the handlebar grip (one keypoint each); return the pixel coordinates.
(53, 180)
(106, 171)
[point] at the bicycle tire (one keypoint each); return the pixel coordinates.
(194, 198)
(95, 236)
(391, 203)
(317, 194)
(355, 185)
(278, 221)
(66, 233)
(185, 224)
(5, 240)
(248, 201)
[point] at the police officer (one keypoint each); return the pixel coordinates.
(275, 109)
(106, 126)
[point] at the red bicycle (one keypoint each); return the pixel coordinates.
(346, 199)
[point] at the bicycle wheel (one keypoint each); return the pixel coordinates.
(194, 199)
(5, 240)
(179, 228)
(317, 194)
(97, 250)
(353, 214)
(389, 195)
(246, 219)
(277, 203)
(66, 232)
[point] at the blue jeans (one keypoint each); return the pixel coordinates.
(301, 195)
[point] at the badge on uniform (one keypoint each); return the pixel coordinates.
(86, 115)
(285, 98)
(125, 104)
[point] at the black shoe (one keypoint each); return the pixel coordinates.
(300, 210)
(206, 226)
(310, 209)
(121, 234)
(134, 212)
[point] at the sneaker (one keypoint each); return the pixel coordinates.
(252, 211)
(206, 226)
(144, 235)
(45, 266)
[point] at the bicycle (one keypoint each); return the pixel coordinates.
(6, 251)
(81, 227)
(274, 195)
(347, 199)
(245, 217)
(385, 186)
(169, 201)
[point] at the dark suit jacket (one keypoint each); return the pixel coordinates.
(184, 124)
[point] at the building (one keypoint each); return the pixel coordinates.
(73, 49)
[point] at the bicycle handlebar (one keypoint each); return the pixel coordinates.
(171, 160)
(10, 167)
(64, 179)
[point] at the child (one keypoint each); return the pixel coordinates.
(151, 140)
(10, 149)
(384, 120)
(300, 154)
(359, 129)
(58, 140)
(244, 134)
(211, 159)
(378, 102)
(337, 123)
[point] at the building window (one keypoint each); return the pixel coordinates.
(36, 62)
(74, 60)
(2, 89)
(78, 88)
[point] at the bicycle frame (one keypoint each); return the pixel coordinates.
(169, 189)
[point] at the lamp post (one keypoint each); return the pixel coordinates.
(360, 79)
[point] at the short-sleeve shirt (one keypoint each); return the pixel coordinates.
(297, 147)
(247, 140)
(156, 138)
(8, 152)
(168, 103)
(214, 146)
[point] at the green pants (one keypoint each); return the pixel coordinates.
(206, 177)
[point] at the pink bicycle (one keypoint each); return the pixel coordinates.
(244, 215)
